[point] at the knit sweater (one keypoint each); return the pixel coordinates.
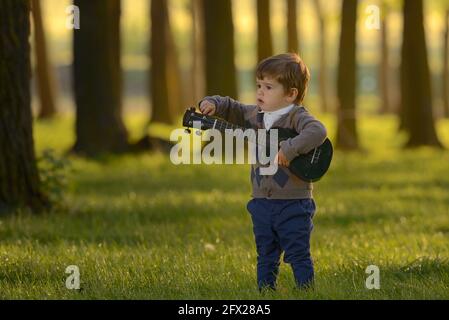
(311, 134)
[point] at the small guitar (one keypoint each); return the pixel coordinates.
(309, 167)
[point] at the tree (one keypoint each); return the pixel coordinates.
(219, 48)
(416, 105)
(346, 86)
(19, 178)
(292, 26)
(44, 75)
(323, 69)
(198, 72)
(384, 66)
(264, 37)
(166, 92)
(98, 79)
(445, 82)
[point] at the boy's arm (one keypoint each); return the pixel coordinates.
(229, 109)
(312, 134)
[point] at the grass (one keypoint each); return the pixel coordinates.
(139, 227)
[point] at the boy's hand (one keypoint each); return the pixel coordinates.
(208, 108)
(281, 159)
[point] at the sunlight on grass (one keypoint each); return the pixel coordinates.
(140, 227)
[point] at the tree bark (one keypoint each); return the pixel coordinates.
(165, 73)
(384, 67)
(445, 82)
(98, 79)
(19, 178)
(219, 48)
(264, 37)
(416, 106)
(292, 27)
(346, 127)
(45, 81)
(323, 68)
(198, 72)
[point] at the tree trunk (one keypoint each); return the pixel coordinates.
(45, 81)
(198, 72)
(323, 69)
(19, 177)
(346, 127)
(446, 67)
(292, 27)
(264, 37)
(219, 48)
(415, 79)
(165, 75)
(98, 79)
(384, 67)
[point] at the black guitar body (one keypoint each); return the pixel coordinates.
(310, 167)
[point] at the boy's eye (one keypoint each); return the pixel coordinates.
(259, 86)
(269, 87)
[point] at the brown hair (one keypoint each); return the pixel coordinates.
(289, 70)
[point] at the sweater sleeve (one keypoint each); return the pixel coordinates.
(312, 134)
(229, 109)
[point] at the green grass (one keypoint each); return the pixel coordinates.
(139, 227)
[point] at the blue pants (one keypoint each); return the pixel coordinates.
(283, 226)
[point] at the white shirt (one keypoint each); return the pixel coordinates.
(269, 118)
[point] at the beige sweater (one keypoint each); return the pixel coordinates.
(312, 133)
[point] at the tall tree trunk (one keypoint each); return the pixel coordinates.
(346, 127)
(445, 82)
(98, 79)
(165, 74)
(19, 177)
(292, 26)
(415, 79)
(384, 67)
(198, 72)
(45, 81)
(219, 48)
(323, 69)
(264, 37)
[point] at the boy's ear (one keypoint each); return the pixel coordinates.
(292, 94)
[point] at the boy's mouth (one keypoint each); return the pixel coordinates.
(259, 101)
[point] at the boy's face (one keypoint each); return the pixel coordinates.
(271, 95)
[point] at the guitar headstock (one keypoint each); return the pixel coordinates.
(191, 116)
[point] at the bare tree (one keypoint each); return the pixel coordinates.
(384, 66)
(416, 106)
(198, 73)
(219, 48)
(98, 80)
(19, 178)
(264, 37)
(323, 67)
(445, 82)
(292, 26)
(346, 127)
(166, 94)
(45, 81)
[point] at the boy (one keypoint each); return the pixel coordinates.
(282, 206)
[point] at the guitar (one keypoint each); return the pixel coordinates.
(309, 167)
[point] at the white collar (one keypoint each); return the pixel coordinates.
(280, 112)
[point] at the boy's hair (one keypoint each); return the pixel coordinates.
(289, 70)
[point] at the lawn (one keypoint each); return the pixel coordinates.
(139, 227)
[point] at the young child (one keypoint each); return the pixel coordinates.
(282, 206)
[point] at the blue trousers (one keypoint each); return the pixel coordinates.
(283, 226)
